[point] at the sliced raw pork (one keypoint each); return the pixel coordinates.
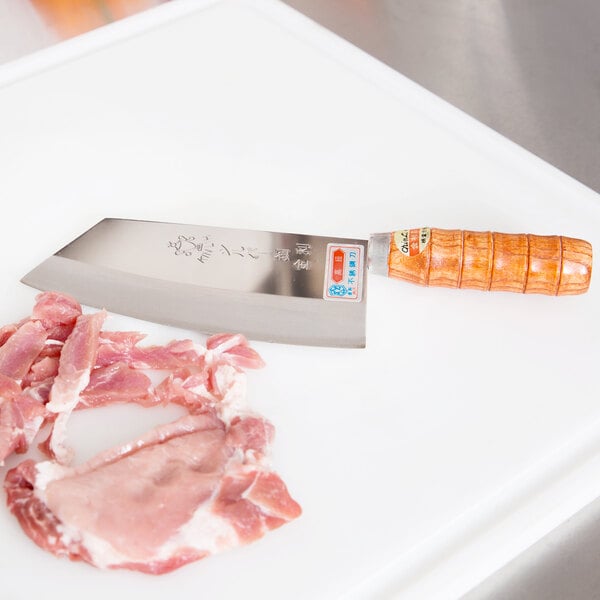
(58, 314)
(20, 418)
(186, 489)
(30, 351)
(21, 349)
(77, 359)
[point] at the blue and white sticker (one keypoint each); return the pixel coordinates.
(344, 269)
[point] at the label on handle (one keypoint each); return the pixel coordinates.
(344, 272)
(412, 242)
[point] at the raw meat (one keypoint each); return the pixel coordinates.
(122, 347)
(21, 349)
(20, 418)
(29, 357)
(6, 332)
(117, 383)
(58, 314)
(187, 489)
(236, 349)
(77, 359)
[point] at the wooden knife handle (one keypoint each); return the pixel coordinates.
(524, 263)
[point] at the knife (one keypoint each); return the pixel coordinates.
(293, 288)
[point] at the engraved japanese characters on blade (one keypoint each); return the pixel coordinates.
(203, 248)
(302, 251)
(187, 245)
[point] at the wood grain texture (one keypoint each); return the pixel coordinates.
(523, 263)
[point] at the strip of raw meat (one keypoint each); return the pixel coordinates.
(222, 342)
(187, 390)
(20, 418)
(57, 312)
(186, 490)
(117, 383)
(10, 424)
(217, 384)
(199, 376)
(76, 361)
(42, 369)
(21, 349)
(6, 332)
(33, 414)
(120, 341)
(235, 348)
(122, 347)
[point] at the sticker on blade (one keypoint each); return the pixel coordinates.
(344, 272)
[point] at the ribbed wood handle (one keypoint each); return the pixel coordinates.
(524, 263)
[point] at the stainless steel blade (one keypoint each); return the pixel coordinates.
(270, 286)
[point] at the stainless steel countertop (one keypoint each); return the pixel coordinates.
(561, 566)
(530, 70)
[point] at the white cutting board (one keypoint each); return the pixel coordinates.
(467, 429)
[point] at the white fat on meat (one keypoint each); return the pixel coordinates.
(231, 384)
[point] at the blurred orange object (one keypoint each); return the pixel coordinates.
(72, 17)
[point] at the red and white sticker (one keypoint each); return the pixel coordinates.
(344, 267)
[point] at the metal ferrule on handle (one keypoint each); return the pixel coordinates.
(379, 253)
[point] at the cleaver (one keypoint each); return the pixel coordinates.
(293, 288)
